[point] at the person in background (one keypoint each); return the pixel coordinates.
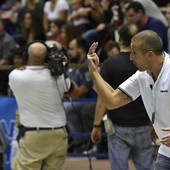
(68, 33)
(30, 5)
(7, 46)
(18, 62)
(131, 137)
(111, 48)
(54, 9)
(167, 14)
(136, 14)
(151, 9)
(151, 81)
(55, 31)
(18, 59)
(78, 49)
(32, 28)
(79, 16)
(41, 112)
(9, 17)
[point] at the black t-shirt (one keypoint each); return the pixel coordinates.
(116, 70)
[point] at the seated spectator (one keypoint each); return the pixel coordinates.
(55, 31)
(111, 48)
(78, 49)
(79, 16)
(54, 9)
(167, 14)
(18, 59)
(97, 16)
(136, 14)
(9, 17)
(7, 46)
(151, 9)
(68, 33)
(34, 5)
(32, 28)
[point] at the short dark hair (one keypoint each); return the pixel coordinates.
(149, 41)
(58, 22)
(111, 44)
(136, 6)
(126, 32)
(82, 43)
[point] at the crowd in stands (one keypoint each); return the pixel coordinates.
(74, 24)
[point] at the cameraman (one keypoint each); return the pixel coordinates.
(43, 136)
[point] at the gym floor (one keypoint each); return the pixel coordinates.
(97, 164)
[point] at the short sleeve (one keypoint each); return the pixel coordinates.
(131, 86)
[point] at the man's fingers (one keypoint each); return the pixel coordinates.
(96, 139)
(166, 129)
(92, 48)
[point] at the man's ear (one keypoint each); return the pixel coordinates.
(150, 54)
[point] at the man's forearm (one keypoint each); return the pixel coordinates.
(104, 90)
(99, 112)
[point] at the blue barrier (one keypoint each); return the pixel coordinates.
(82, 134)
(8, 108)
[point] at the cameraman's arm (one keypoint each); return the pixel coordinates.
(73, 91)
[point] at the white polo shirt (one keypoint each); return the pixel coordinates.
(39, 96)
(155, 95)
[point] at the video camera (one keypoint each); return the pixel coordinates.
(57, 60)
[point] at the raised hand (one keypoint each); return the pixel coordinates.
(93, 59)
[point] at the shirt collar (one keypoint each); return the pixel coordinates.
(36, 67)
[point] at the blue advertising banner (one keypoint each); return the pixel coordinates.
(8, 108)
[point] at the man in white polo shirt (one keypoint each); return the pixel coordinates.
(42, 116)
(152, 82)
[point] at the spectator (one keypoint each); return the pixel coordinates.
(167, 14)
(32, 28)
(31, 5)
(9, 17)
(111, 48)
(55, 9)
(79, 16)
(18, 59)
(78, 50)
(131, 137)
(7, 45)
(99, 18)
(55, 31)
(136, 14)
(151, 9)
(68, 33)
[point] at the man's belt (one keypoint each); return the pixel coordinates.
(23, 129)
(42, 128)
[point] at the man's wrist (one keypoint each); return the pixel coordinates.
(96, 126)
